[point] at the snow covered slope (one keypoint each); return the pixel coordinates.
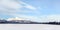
(29, 27)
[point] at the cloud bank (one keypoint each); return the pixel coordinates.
(50, 18)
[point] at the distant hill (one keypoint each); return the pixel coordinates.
(18, 22)
(53, 23)
(26, 22)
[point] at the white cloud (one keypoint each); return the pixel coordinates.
(11, 7)
(28, 6)
(10, 4)
(15, 4)
(33, 8)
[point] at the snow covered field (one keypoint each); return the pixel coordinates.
(29, 27)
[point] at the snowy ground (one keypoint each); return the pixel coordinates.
(29, 27)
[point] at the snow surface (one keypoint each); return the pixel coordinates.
(29, 27)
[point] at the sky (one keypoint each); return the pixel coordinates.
(35, 10)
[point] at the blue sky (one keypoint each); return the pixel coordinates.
(36, 10)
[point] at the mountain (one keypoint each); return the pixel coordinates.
(22, 22)
(17, 22)
(26, 22)
(3, 21)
